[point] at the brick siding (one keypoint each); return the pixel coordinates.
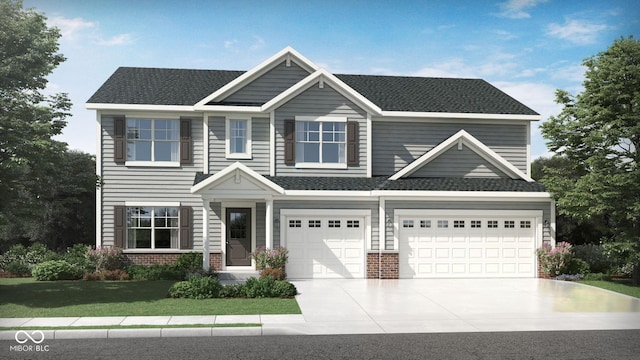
(383, 265)
(215, 259)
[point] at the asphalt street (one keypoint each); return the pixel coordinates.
(614, 344)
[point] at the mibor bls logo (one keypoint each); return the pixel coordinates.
(22, 337)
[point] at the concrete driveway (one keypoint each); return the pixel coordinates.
(465, 305)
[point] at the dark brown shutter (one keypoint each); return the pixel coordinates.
(290, 142)
(120, 226)
(353, 155)
(185, 227)
(120, 141)
(186, 156)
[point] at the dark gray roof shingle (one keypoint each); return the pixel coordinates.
(158, 86)
(408, 184)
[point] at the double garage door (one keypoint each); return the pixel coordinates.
(466, 245)
(328, 244)
(431, 244)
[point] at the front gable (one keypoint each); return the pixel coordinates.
(491, 165)
(461, 162)
(255, 86)
(236, 181)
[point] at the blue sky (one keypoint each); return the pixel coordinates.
(527, 48)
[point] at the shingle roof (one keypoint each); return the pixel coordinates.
(158, 86)
(155, 86)
(407, 184)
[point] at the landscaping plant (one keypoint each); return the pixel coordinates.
(56, 270)
(554, 261)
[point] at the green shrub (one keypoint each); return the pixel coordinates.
(233, 291)
(112, 275)
(18, 268)
(578, 266)
(155, 272)
(34, 254)
(597, 276)
(56, 270)
(623, 254)
(196, 287)
(189, 262)
(77, 255)
(275, 273)
(594, 256)
(284, 289)
(106, 258)
(259, 287)
(274, 258)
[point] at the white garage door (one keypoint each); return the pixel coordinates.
(463, 246)
(325, 246)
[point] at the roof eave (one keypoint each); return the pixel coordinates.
(143, 107)
(447, 115)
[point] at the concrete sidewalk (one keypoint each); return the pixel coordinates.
(390, 306)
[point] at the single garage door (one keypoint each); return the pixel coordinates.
(325, 246)
(465, 246)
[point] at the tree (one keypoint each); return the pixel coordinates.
(598, 132)
(28, 118)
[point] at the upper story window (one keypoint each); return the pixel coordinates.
(238, 139)
(153, 140)
(139, 141)
(321, 142)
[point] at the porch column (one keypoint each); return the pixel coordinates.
(269, 224)
(205, 234)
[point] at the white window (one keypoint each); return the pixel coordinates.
(334, 223)
(509, 224)
(152, 228)
(353, 223)
(525, 224)
(295, 223)
(458, 223)
(238, 139)
(314, 223)
(476, 224)
(407, 223)
(443, 223)
(425, 223)
(321, 143)
(153, 140)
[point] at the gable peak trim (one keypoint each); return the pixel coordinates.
(460, 138)
(236, 170)
(287, 55)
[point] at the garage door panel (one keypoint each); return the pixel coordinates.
(325, 246)
(476, 246)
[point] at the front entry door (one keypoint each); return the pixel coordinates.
(238, 237)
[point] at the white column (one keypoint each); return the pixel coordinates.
(205, 235)
(269, 224)
(382, 225)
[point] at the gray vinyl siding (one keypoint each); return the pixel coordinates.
(148, 184)
(304, 204)
(269, 85)
(215, 226)
(391, 205)
(259, 145)
(459, 163)
(317, 101)
(396, 144)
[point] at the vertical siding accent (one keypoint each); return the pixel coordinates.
(185, 232)
(269, 85)
(120, 141)
(319, 102)
(397, 143)
(185, 141)
(352, 143)
(290, 142)
(261, 213)
(120, 226)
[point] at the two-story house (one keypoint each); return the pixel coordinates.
(358, 176)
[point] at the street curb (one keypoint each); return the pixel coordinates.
(68, 334)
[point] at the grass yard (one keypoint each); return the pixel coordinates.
(29, 298)
(620, 286)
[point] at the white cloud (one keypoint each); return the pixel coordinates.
(258, 44)
(122, 39)
(230, 43)
(505, 35)
(78, 29)
(516, 9)
(577, 31)
(71, 28)
(500, 64)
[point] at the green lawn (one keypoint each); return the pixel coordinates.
(620, 286)
(29, 298)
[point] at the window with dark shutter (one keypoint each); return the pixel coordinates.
(120, 141)
(290, 142)
(353, 155)
(186, 219)
(120, 226)
(186, 156)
